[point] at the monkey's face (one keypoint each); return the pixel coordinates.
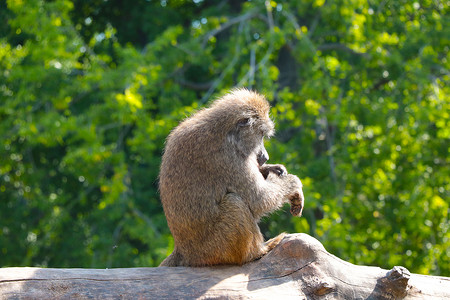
(247, 137)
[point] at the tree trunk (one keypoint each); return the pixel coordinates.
(299, 267)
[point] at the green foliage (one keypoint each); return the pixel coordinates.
(89, 91)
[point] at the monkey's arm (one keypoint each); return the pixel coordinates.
(295, 196)
(274, 190)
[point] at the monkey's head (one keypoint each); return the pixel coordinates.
(233, 127)
(246, 120)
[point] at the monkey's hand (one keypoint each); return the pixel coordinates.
(279, 170)
(297, 201)
(291, 189)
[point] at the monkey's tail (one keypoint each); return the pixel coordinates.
(270, 244)
(173, 260)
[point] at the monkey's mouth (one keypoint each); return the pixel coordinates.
(262, 157)
(264, 172)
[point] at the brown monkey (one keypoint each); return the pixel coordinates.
(215, 185)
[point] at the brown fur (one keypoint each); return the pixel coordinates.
(212, 189)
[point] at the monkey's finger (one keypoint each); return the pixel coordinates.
(280, 170)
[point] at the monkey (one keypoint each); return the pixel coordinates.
(215, 185)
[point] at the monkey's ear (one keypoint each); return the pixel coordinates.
(244, 122)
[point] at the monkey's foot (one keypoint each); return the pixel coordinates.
(296, 210)
(296, 201)
(274, 241)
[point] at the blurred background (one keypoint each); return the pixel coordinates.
(89, 90)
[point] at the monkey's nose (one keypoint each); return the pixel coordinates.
(262, 157)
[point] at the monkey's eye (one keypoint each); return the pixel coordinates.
(244, 122)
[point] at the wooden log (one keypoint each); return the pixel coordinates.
(298, 268)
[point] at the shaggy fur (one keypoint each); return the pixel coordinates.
(213, 189)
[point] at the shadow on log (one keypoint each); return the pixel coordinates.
(298, 268)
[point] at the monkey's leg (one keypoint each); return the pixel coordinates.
(296, 200)
(243, 241)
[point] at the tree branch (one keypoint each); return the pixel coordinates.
(228, 24)
(338, 46)
(230, 66)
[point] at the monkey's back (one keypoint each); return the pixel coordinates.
(189, 187)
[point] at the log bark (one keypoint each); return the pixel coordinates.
(298, 268)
